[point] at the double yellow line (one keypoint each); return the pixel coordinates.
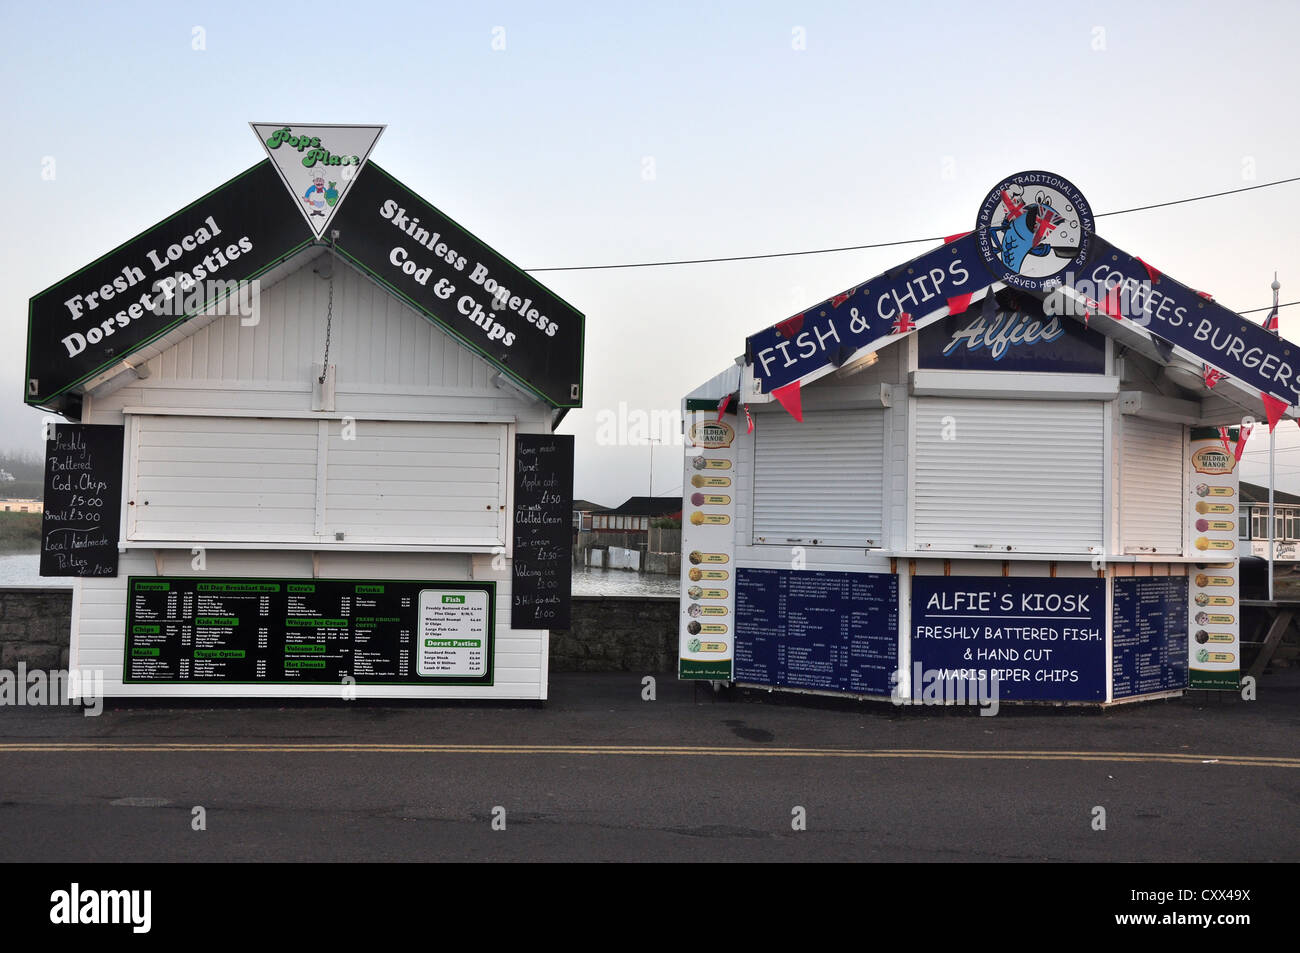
(670, 751)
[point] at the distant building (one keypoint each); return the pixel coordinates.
(1252, 524)
(583, 510)
(636, 514)
(21, 506)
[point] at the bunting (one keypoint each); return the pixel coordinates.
(1274, 408)
(791, 399)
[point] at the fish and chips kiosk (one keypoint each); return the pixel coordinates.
(1007, 465)
(305, 443)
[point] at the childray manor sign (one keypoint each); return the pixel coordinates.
(204, 257)
(1034, 233)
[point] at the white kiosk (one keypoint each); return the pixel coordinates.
(313, 448)
(1011, 461)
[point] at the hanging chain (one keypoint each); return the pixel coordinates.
(329, 316)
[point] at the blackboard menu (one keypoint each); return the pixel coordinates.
(83, 500)
(832, 631)
(543, 528)
(1149, 635)
(291, 631)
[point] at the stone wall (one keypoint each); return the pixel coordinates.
(618, 634)
(35, 624)
(609, 634)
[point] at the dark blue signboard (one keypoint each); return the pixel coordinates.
(1149, 635)
(885, 305)
(1023, 339)
(832, 631)
(1044, 639)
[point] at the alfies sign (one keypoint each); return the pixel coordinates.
(1018, 337)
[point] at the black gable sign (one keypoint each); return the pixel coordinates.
(139, 291)
(463, 286)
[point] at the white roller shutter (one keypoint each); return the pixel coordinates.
(820, 482)
(223, 478)
(1009, 475)
(399, 481)
(1151, 488)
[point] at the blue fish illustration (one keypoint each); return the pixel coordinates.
(1014, 239)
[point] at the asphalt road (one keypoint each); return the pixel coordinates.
(599, 774)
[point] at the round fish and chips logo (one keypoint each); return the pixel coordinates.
(1033, 226)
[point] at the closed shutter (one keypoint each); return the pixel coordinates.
(1009, 475)
(820, 482)
(1151, 491)
(406, 482)
(221, 478)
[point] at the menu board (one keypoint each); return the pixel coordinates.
(1213, 630)
(1149, 635)
(832, 631)
(191, 629)
(83, 500)
(1044, 639)
(541, 578)
(705, 617)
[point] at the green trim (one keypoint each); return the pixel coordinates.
(690, 669)
(1214, 681)
(697, 403)
(1212, 433)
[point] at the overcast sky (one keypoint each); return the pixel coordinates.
(634, 132)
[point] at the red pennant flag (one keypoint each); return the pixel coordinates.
(1152, 272)
(790, 326)
(1274, 408)
(749, 421)
(790, 398)
(1223, 438)
(1111, 304)
(952, 238)
(722, 405)
(841, 298)
(1241, 442)
(1212, 376)
(958, 304)
(1206, 295)
(1270, 323)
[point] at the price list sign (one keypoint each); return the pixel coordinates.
(831, 631)
(83, 500)
(290, 631)
(542, 572)
(1149, 635)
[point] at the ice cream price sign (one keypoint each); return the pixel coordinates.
(1042, 639)
(708, 603)
(453, 633)
(1213, 629)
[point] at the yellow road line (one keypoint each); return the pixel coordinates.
(73, 747)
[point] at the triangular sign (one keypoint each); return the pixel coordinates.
(317, 163)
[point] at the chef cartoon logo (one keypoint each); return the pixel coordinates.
(1031, 227)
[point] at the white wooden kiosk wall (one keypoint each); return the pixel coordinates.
(223, 444)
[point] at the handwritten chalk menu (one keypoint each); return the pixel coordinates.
(291, 631)
(833, 631)
(83, 500)
(1149, 634)
(541, 581)
(1044, 639)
